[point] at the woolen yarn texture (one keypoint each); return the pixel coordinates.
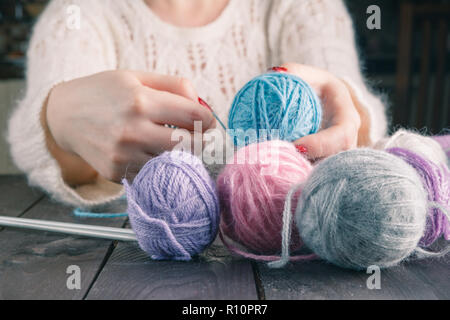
(361, 208)
(436, 181)
(425, 146)
(252, 190)
(282, 105)
(173, 207)
(444, 142)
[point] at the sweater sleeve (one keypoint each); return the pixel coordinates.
(59, 51)
(320, 33)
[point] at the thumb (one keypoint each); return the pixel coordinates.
(327, 142)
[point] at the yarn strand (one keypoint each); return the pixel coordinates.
(436, 205)
(286, 231)
(265, 258)
(84, 214)
(422, 253)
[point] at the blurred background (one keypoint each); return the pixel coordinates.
(406, 61)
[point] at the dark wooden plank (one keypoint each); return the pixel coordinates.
(426, 279)
(435, 273)
(16, 196)
(404, 62)
(424, 74)
(33, 264)
(130, 275)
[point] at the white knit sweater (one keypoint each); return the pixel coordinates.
(219, 58)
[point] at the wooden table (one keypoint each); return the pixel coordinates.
(33, 265)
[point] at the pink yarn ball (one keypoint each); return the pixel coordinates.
(252, 190)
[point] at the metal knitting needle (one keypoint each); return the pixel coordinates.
(70, 228)
(218, 120)
(67, 225)
(203, 103)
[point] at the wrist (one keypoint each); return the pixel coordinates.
(52, 119)
(74, 170)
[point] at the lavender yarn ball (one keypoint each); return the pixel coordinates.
(361, 208)
(274, 106)
(173, 207)
(420, 144)
(436, 180)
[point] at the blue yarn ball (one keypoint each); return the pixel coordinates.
(274, 101)
(173, 207)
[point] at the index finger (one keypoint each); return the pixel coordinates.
(173, 84)
(163, 107)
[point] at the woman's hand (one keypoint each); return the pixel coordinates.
(115, 121)
(341, 120)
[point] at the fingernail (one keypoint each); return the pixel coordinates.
(302, 149)
(203, 103)
(278, 69)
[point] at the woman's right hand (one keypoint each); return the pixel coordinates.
(115, 121)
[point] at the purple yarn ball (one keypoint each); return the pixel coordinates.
(173, 207)
(436, 180)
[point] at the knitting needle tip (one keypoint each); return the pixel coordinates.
(203, 103)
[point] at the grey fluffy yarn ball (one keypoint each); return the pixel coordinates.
(361, 208)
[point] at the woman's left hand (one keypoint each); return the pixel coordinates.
(341, 121)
